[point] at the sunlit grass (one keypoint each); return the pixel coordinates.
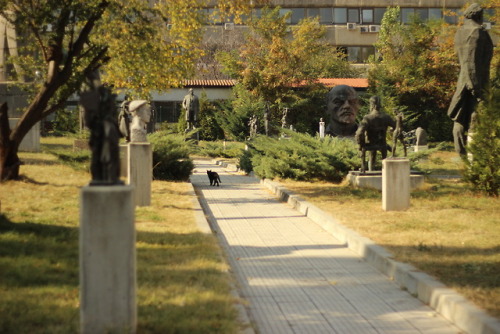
(183, 285)
(449, 231)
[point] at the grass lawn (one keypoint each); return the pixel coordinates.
(183, 285)
(449, 231)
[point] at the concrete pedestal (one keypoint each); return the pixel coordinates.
(374, 179)
(124, 160)
(395, 184)
(107, 260)
(30, 142)
(420, 148)
(140, 172)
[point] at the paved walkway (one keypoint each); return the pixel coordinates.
(298, 278)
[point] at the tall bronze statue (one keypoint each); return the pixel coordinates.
(371, 134)
(474, 48)
(191, 104)
(98, 103)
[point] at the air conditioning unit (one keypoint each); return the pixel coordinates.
(487, 25)
(364, 29)
(351, 26)
(228, 26)
(374, 28)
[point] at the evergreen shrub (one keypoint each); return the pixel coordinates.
(171, 159)
(483, 165)
(301, 157)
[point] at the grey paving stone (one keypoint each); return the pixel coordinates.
(297, 277)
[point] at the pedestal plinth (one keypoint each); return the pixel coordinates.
(395, 184)
(107, 260)
(140, 172)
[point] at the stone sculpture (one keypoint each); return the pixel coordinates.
(398, 134)
(124, 120)
(252, 123)
(191, 105)
(371, 134)
(100, 117)
(421, 137)
(342, 106)
(474, 49)
(141, 115)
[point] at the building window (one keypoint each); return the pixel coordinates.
(359, 54)
(353, 15)
(406, 14)
(451, 16)
(313, 12)
(378, 14)
(340, 15)
(326, 15)
(422, 13)
(283, 12)
(435, 13)
(298, 14)
(167, 111)
(367, 15)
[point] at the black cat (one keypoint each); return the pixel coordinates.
(214, 178)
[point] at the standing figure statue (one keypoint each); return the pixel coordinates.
(398, 134)
(252, 123)
(191, 105)
(372, 132)
(266, 120)
(342, 106)
(124, 120)
(474, 48)
(283, 118)
(141, 115)
(100, 117)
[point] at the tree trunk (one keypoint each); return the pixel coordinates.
(9, 160)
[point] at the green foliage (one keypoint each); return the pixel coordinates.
(220, 149)
(483, 168)
(171, 159)
(234, 119)
(413, 72)
(207, 120)
(301, 157)
(66, 121)
(181, 122)
(274, 58)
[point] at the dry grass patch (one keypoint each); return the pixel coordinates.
(183, 285)
(449, 231)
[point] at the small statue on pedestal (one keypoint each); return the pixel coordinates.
(371, 134)
(141, 115)
(100, 117)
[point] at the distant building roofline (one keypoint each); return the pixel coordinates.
(361, 83)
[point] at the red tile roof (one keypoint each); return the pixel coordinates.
(328, 82)
(353, 82)
(210, 83)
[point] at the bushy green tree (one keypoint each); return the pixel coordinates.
(234, 118)
(483, 165)
(64, 41)
(208, 124)
(276, 58)
(415, 71)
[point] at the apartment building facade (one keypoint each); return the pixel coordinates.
(351, 25)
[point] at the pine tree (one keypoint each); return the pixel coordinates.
(483, 165)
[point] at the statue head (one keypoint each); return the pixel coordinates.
(140, 108)
(342, 104)
(375, 104)
(474, 12)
